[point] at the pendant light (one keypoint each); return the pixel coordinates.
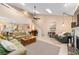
(63, 21)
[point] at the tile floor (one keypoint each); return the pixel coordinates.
(47, 46)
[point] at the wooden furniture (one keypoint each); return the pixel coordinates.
(28, 40)
(34, 32)
(78, 20)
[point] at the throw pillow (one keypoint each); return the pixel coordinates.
(8, 45)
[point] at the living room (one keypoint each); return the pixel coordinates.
(38, 33)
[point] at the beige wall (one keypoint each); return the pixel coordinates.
(14, 15)
(46, 21)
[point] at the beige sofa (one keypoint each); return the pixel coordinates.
(21, 49)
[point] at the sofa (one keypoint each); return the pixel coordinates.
(21, 49)
(63, 38)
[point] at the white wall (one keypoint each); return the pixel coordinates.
(46, 21)
(13, 15)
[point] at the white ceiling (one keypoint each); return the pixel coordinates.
(56, 8)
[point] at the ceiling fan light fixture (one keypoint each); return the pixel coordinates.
(35, 11)
(36, 18)
(49, 11)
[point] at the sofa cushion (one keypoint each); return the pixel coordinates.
(8, 45)
(21, 49)
(3, 51)
(17, 43)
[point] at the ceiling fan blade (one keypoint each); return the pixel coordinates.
(36, 18)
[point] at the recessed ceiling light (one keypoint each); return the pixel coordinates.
(49, 11)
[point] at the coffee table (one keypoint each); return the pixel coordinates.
(28, 40)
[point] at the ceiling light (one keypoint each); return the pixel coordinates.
(66, 4)
(23, 4)
(63, 25)
(37, 12)
(49, 11)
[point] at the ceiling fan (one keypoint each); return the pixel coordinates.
(34, 14)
